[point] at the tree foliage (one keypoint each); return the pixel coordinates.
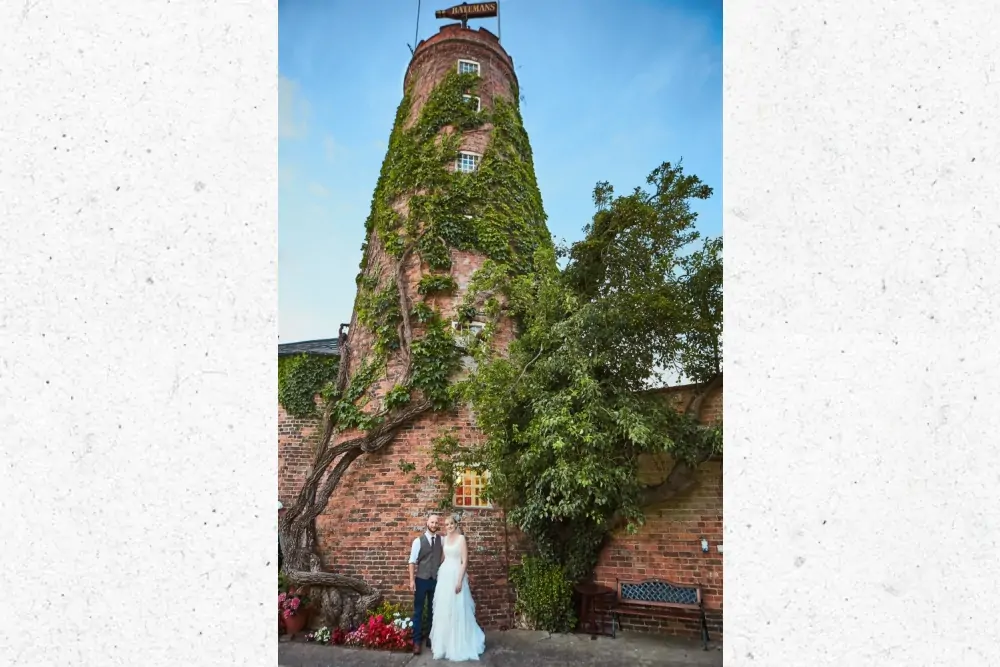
(565, 411)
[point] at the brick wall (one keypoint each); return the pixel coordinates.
(295, 447)
(379, 508)
(669, 545)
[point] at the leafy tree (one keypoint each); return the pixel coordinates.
(565, 411)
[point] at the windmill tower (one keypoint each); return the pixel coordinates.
(456, 206)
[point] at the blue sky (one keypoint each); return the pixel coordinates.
(611, 89)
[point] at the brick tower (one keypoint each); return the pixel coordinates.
(457, 189)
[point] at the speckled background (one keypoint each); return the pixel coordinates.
(862, 475)
(138, 202)
(138, 213)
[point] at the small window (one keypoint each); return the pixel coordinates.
(474, 102)
(467, 162)
(469, 487)
(468, 67)
(466, 334)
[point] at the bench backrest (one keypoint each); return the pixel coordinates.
(658, 592)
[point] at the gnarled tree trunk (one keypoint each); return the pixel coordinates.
(342, 600)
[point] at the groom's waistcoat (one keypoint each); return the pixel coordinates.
(429, 559)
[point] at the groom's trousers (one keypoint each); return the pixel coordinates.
(424, 592)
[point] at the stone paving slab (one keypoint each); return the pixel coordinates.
(519, 648)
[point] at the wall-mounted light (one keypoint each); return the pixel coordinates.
(704, 545)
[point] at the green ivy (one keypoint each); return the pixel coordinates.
(397, 397)
(300, 378)
(495, 211)
(443, 450)
(378, 311)
(435, 360)
(544, 595)
(436, 284)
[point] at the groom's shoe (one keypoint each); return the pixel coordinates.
(428, 642)
(416, 648)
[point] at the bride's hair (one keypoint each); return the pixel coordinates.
(458, 524)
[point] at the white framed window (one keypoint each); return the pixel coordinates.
(469, 486)
(474, 102)
(468, 67)
(467, 162)
(466, 334)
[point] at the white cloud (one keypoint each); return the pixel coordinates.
(318, 190)
(293, 110)
(330, 148)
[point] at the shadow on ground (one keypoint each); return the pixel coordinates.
(519, 648)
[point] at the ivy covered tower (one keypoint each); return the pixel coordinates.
(456, 213)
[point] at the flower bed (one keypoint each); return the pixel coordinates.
(382, 631)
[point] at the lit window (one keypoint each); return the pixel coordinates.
(468, 67)
(467, 162)
(474, 102)
(469, 487)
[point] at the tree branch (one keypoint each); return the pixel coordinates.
(680, 478)
(693, 407)
(404, 309)
(525, 370)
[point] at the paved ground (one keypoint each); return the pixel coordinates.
(519, 648)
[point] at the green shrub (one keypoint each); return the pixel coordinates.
(388, 610)
(544, 595)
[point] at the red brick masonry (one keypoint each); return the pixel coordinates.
(378, 510)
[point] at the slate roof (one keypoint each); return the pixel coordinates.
(324, 346)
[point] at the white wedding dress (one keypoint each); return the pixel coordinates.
(455, 634)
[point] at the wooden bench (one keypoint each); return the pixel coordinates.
(657, 598)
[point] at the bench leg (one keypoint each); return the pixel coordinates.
(614, 623)
(704, 631)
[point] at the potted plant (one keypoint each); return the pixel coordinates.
(282, 588)
(293, 609)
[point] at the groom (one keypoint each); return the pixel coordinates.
(425, 559)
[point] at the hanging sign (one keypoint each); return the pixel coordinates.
(465, 11)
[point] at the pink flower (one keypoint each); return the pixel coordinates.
(281, 598)
(295, 603)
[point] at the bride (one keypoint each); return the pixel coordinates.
(455, 634)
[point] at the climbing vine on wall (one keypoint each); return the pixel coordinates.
(422, 210)
(300, 378)
(495, 211)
